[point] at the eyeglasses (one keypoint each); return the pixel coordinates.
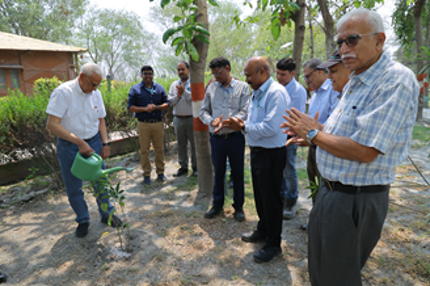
(307, 76)
(147, 74)
(92, 84)
(351, 41)
(217, 73)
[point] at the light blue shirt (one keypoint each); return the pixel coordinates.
(297, 94)
(323, 100)
(265, 112)
(377, 109)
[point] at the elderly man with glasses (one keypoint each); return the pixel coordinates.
(363, 141)
(148, 100)
(76, 115)
(227, 97)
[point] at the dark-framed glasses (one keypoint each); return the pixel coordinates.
(351, 41)
(307, 76)
(147, 74)
(217, 73)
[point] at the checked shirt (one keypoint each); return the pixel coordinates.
(377, 109)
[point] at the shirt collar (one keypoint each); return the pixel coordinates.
(78, 87)
(230, 84)
(326, 84)
(370, 75)
(291, 84)
(263, 87)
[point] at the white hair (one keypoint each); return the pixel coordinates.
(90, 68)
(371, 17)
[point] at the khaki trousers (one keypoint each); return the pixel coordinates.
(151, 132)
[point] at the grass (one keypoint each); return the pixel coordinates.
(421, 133)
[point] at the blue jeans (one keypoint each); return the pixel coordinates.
(66, 155)
(290, 187)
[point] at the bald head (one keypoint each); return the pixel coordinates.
(257, 72)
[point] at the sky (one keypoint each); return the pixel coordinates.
(142, 8)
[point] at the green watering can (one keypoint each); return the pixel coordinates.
(90, 169)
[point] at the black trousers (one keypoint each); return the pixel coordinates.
(343, 230)
(312, 167)
(267, 167)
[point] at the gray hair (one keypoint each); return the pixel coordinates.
(90, 68)
(313, 64)
(371, 17)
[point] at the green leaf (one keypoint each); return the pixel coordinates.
(192, 51)
(168, 34)
(104, 207)
(187, 33)
(200, 30)
(179, 49)
(202, 38)
(264, 4)
(178, 40)
(295, 6)
(164, 3)
(276, 28)
(357, 4)
(177, 18)
(213, 3)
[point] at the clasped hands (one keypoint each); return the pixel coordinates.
(150, 107)
(231, 123)
(180, 88)
(299, 124)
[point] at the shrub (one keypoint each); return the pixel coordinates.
(45, 86)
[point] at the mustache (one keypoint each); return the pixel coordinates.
(349, 56)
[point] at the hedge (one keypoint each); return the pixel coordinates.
(23, 119)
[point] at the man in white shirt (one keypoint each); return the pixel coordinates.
(76, 115)
(180, 98)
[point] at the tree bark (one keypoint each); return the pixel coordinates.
(329, 28)
(418, 8)
(299, 35)
(201, 131)
(311, 30)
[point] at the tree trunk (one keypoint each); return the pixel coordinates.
(311, 30)
(419, 5)
(299, 35)
(201, 131)
(329, 28)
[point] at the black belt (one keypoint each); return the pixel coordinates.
(183, 116)
(259, 149)
(88, 140)
(151, 120)
(224, 136)
(352, 190)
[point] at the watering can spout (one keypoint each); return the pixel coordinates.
(116, 169)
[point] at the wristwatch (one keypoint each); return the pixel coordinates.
(106, 144)
(311, 135)
(243, 129)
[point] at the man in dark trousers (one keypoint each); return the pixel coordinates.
(268, 154)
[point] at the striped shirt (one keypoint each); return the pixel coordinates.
(377, 109)
(231, 100)
(181, 105)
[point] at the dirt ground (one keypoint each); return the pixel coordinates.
(172, 244)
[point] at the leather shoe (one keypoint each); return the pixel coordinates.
(304, 226)
(181, 172)
(115, 221)
(147, 180)
(3, 278)
(82, 229)
(213, 212)
(267, 253)
(161, 178)
(253, 237)
(239, 215)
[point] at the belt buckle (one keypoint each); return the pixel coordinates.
(151, 121)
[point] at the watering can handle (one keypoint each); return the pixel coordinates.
(86, 156)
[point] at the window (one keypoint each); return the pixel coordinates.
(10, 78)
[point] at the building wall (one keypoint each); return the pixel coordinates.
(37, 65)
